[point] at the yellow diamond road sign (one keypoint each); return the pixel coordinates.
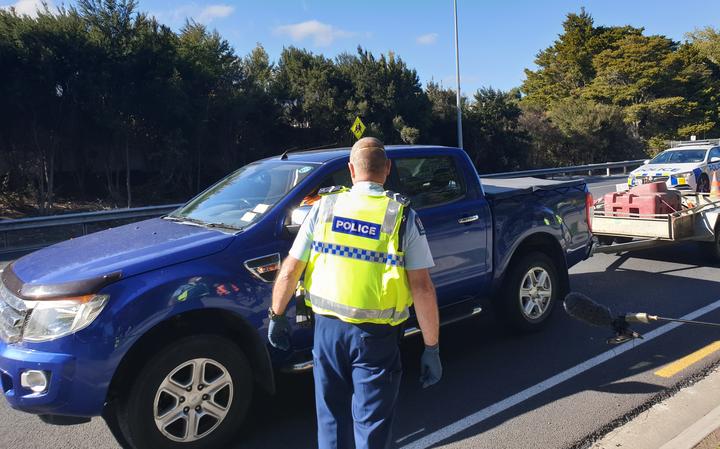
(357, 128)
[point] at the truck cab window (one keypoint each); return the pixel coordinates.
(337, 178)
(429, 181)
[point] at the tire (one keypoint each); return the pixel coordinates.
(605, 240)
(521, 307)
(110, 415)
(711, 250)
(160, 391)
(703, 184)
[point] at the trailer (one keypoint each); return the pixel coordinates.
(617, 232)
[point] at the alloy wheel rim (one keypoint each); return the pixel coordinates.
(193, 400)
(535, 293)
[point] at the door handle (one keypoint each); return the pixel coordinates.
(470, 219)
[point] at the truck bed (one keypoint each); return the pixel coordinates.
(506, 188)
(553, 207)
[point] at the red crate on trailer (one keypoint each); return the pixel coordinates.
(646, 199)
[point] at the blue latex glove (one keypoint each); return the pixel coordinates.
(279, 332)
(430, 366)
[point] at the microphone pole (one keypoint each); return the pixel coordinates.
(585, 309)
(646, 319)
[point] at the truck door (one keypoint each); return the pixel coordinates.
(457, 221)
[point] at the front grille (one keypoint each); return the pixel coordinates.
(647, 179)
(12, 315)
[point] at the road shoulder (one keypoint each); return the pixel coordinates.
(683, 421)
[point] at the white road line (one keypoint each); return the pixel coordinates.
(492, 410)
(399, 440)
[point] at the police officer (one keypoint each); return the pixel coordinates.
(366, 260)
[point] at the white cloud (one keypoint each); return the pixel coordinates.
(211, 12)
(322, 34)
(28, 7)
(427, 39)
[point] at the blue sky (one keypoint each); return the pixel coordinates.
(498, 39)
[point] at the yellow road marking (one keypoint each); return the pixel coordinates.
(675, 367)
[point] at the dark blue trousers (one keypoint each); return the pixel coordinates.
(357, 373)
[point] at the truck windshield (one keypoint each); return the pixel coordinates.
(679, 157)
(245, 195)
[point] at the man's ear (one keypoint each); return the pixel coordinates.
(351, 167)
(388, 166)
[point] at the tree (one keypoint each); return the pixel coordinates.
(408, 134)
(210, 71)
(707, 42)
(567, 66)
(442, 129)
(101, 101)
(704, 53)
(493, 139)
(592, 132)
(382, 89)
(312, 93)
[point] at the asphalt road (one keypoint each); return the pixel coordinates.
(554, 389)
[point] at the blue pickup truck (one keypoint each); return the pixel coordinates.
(159, 326)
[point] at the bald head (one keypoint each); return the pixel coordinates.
(368, 161)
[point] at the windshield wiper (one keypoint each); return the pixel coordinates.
(185, 220)
(223, 226)
(195, 221)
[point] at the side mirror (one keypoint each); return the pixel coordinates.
(714, 159)
(296, 219)
(646, 161)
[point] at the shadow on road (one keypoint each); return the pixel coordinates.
(629, 387)
(484, 365)
(690, 254)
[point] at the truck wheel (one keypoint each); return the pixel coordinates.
(703, 184)
(195, 393)
(529, 292)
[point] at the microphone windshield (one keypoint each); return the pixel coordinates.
(585, 309)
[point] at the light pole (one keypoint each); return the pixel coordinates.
(457, 79)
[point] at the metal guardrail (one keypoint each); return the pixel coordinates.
(24, 234)
(589, 169)
(85, 217)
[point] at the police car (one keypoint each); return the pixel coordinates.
(686, 166)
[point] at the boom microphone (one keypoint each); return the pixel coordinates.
(585, 309)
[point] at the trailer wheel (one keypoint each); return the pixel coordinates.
(712, 249)
(193, 394)
(529, 292)
(605, 240)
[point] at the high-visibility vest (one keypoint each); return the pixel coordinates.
(356, 270)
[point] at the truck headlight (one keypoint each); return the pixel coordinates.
(51, 319)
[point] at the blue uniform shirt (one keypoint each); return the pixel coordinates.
(417, 251)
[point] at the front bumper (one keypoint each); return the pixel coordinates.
(674, 182)
(68, 393)
(60, 397)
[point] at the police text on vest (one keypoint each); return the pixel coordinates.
(356, 227)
